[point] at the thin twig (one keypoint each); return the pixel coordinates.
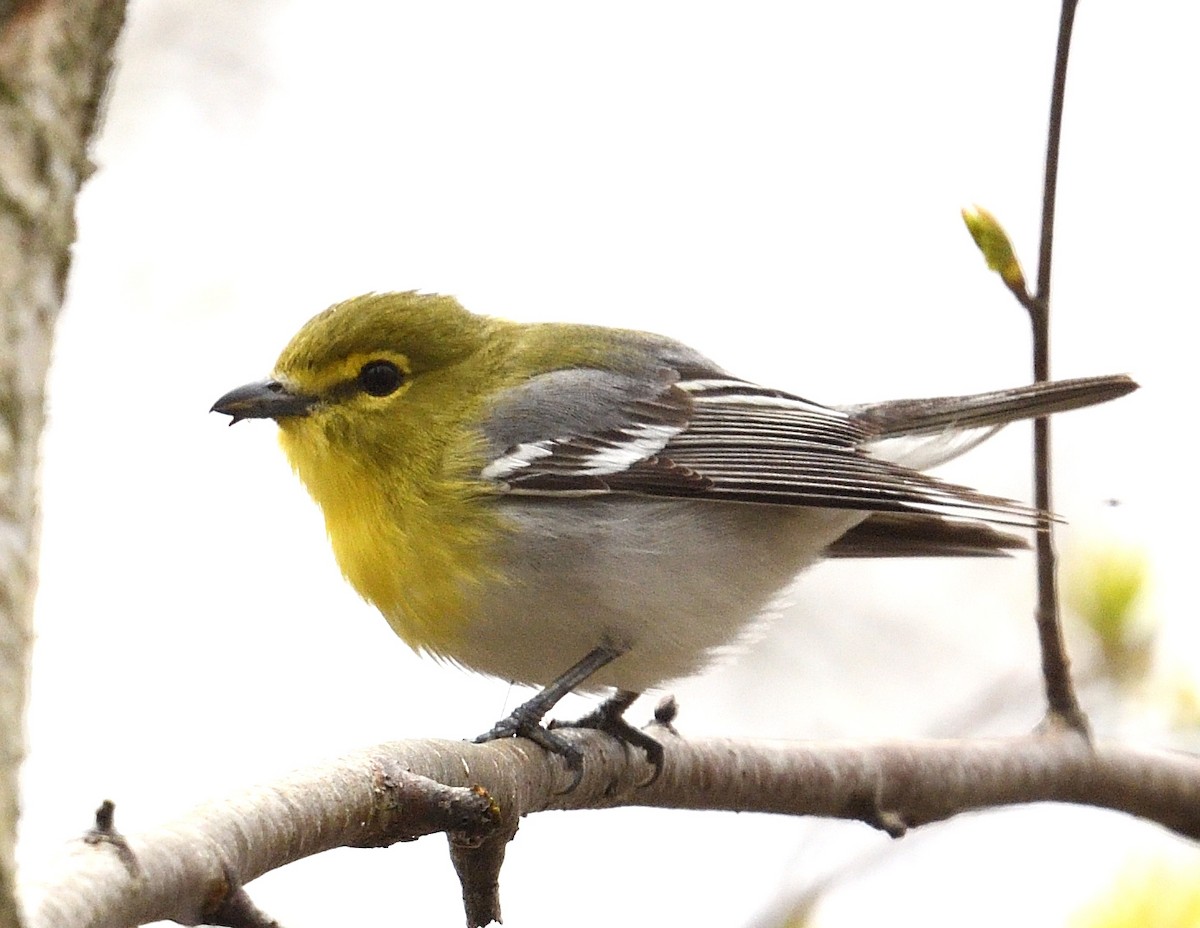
(1062, 704)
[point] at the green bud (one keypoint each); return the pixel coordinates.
(993, 241)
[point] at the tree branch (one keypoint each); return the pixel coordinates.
(477, 793)
(1062, 704)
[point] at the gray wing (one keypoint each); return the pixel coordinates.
(586, 432)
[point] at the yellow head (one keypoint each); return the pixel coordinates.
(371, 397)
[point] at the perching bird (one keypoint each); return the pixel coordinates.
(580, 508)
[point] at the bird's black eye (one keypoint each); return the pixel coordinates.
(380, 378)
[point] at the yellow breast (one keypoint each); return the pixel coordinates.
(413, 543)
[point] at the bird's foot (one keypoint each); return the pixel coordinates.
(524, 723)
(609, 717)
(526, 720)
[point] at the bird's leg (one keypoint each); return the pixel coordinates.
(609, 717)
(526, 720)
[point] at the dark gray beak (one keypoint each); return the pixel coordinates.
(268, 399)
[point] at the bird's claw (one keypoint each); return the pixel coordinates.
(617, 727)
(517, 726)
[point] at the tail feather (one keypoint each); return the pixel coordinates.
(896, 418)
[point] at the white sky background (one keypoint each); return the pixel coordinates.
(776, 184)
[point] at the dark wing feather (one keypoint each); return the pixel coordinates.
(724, 439)
(889, 534)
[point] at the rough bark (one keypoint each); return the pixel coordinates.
(55, 59)
(193, 870)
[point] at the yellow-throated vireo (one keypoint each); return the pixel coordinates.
(583, 508)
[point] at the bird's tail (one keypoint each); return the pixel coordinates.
(925, 433)
(895, 418)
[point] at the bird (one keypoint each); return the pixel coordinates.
(599, 510)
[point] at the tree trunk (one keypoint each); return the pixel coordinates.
(55, 59)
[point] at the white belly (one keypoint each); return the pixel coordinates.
(673, 581)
